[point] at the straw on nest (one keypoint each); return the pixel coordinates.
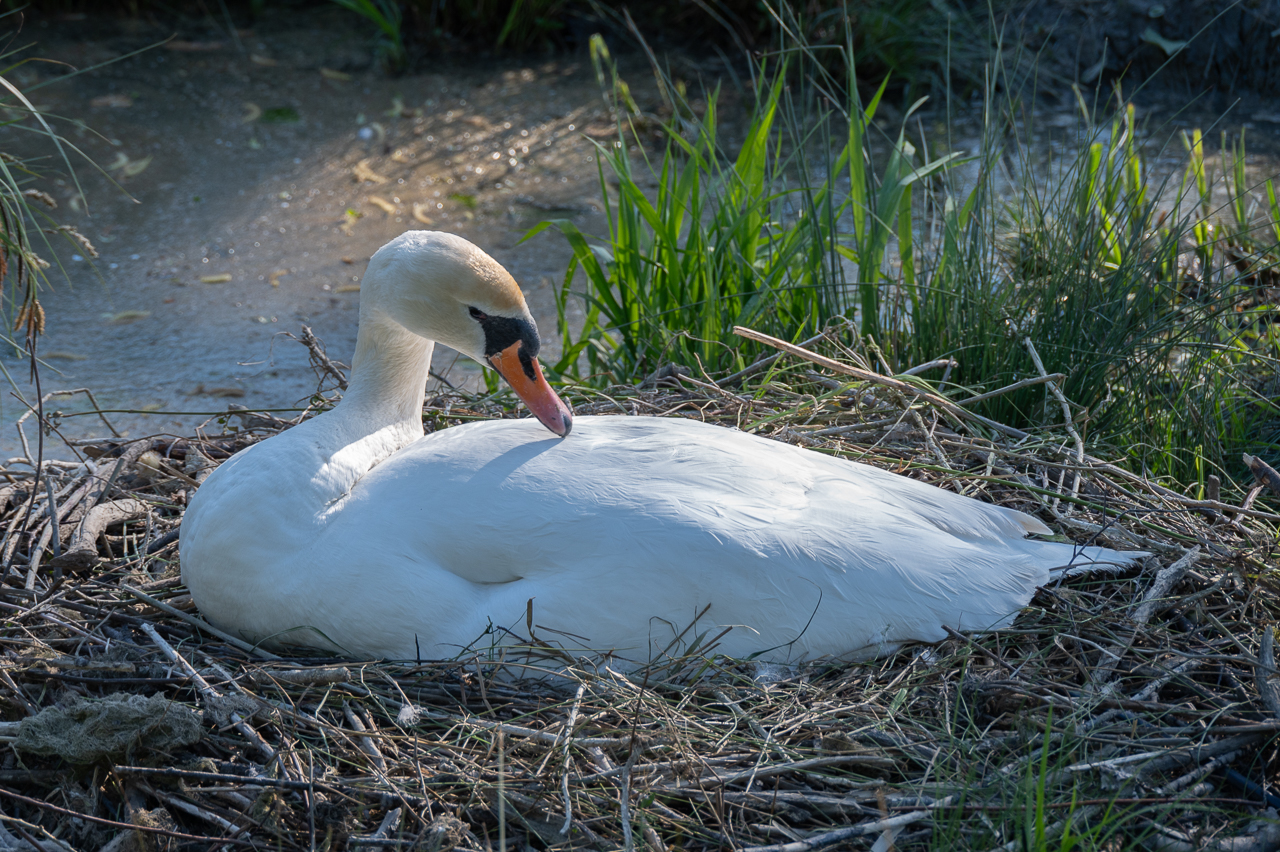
(1131, 710)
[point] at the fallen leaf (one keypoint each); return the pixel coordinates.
(382, 204)
(420, 213)
(331, 74)
(1170, 47)
(136, 167)
(115, 100)
(265, 61)
(220, 278)
(252, 112)
(347, 288)
(121, 160)
(363, 172)
(122, 317)
(274, 277)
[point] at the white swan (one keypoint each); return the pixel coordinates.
(354, 533)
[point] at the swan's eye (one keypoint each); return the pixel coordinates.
(478, 314)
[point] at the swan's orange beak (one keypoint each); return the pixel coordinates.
(524, 374)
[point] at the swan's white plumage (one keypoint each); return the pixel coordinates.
(391, 544)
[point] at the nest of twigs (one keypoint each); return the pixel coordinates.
(1118, 712)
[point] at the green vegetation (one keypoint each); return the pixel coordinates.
(387, 17)
(1153, 298)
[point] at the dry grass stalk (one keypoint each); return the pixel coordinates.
(1127, 709)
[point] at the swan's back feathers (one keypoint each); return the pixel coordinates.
(633, 525)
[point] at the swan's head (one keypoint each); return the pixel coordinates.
(444, 288)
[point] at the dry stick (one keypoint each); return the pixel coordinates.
(1025, 383)
(18, 693)
(767, 361)
(1246, 505)
(390, 821)
(82, 551)
(624, 797)
(1263, 472)
(1120, 532)
(796, 766)
(1066, 417)
(301, 677)
(1196, 774)
(955, 634)
(540, 736)
(1151, 601)
(50, 531)
(72, 511)
(126, 825)
(92, 400)
(867, 376)
(756, 727)
(1098, 464)
(564, 774)
(1152, 689)
(1168, 840)
(200, 813)
(830, 838)
(210, 695)
(321, 359)
(1267, 688)
(949, 363)
(54, 511)
(200, 624)
(365, 742)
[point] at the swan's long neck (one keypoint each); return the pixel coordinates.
(382, 408)
(388, 376)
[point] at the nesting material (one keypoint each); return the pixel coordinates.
(1126, 707)
(113, 727)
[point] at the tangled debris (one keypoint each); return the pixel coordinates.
(86, 730)
(1117, 712)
